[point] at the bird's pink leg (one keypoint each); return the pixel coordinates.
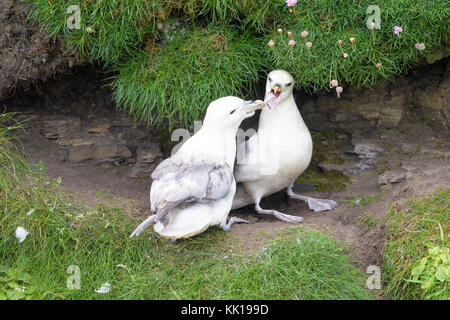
(317, 205)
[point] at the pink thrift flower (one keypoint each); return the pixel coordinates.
(345, 55)
(291, 3)
(378, 65)
(280, 31)
(309, 45)
(291, 43)
(352, 40)
(304, 34)
(271, 43)
(340, 42)
(398, 30)
(339, 91)
(420, 46)
(333, 83)
(289, 34)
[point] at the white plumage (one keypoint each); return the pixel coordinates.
(194, 189)
(278, 153)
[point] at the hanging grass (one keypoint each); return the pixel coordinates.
(222, 48)
(177, 81)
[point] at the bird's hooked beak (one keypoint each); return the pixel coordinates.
(276, 89)
(251, 106)
(273, 97)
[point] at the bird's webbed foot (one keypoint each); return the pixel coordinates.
(226, 227)
(317, 205)
(282, 216)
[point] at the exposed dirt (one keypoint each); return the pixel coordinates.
(27, 55)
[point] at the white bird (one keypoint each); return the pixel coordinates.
(194, 189)
(277, 154)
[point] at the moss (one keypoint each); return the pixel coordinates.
(323, 182)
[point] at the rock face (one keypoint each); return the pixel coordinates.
(424, 94)
(79, 115)
(26, 55)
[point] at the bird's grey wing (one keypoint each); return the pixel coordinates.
(190, 182)
(247, 166)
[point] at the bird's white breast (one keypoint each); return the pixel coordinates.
(284, 134)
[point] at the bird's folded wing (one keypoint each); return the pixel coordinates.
(175, 184)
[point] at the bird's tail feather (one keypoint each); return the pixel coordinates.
(144, 225)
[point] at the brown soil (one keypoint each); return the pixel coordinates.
(27, 56)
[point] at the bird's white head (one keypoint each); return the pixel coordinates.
(279, 86)
(229, 112)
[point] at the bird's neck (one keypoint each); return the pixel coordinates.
(217, 144)
(285, 116)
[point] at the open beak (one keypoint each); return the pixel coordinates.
(250, 106)
(273, 97)
(276, 89)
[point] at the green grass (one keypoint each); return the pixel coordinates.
(417, 255)
(175, 82)
(221, 46)
(298, 264)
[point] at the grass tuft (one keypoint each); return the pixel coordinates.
(417, 254)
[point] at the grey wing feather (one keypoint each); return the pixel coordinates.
(177, 184)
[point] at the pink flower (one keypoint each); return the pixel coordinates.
(309, 45)
(345, 55)
(304, 34)
(420, 46)
(333, 83)
(280, 31)
(352, 40)
(339, 91)
(398, 30)
(340, 42)
(291, 43)
(289, 34)
(271, 43)
(291, 3)
(378, 65)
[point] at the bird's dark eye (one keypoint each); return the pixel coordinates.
(289, 84)
(232, 111)
(270, 79)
